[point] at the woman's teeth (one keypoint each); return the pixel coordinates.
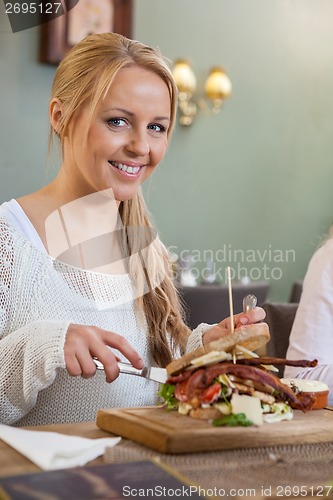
(125, 168)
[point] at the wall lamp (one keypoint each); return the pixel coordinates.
(217, 89)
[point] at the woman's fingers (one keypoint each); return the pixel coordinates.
(215, 333)
(122, 345)
(73, 365)
(80, 363)
(83, 343)
(224, 327)
(109, 361)
(254, 316)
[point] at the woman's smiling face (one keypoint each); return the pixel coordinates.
(126, 140)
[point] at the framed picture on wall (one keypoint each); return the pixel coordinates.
(82, 19)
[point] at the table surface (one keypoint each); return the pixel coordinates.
(13, 463)
(276, 468)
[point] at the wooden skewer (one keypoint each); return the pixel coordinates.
(230, 302)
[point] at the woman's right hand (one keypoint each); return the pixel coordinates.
(83, 343)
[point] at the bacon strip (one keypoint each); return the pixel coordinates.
(192, 386)
(259, 375)
(174, 379)
(277, 361)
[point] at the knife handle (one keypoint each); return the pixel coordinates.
(123, 368)
(129, 369)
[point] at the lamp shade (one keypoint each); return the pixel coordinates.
(184, 77)
(218, 86)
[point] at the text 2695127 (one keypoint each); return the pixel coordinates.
(32, 7)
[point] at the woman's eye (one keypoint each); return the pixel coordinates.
(156, 127)
(116, 122)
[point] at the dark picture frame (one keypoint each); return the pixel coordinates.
(55, 35)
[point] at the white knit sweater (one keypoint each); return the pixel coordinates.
(39, 298)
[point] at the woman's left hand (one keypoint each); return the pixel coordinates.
(224, 327)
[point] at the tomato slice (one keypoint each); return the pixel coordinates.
(210, 394)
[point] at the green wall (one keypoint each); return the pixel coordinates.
(251, 186)
(260, 175)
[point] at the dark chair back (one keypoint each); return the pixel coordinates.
(296, 291)
(210, 303)
(280, 318)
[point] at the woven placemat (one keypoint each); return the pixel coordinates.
(268, 471)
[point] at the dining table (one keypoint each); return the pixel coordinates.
(13, 463)
(284, 471)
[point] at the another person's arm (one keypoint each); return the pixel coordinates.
(312, 333)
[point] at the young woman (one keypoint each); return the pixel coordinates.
(82, 273)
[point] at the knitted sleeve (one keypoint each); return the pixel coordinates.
(29, 353)
(195, 338)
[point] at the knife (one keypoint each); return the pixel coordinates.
(160, 374)
(149, 372)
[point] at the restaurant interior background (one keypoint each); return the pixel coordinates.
(251, 185)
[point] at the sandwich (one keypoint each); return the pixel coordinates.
(228, 383)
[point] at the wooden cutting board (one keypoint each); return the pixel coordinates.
(169, 432)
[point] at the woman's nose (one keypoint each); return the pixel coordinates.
(138, 143)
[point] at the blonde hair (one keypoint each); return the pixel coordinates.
(90, 67)
(86, 73)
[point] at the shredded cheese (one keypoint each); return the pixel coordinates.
(248, 405)
(243, 352)
(211, 357)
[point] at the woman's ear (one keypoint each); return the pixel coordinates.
(56, 114)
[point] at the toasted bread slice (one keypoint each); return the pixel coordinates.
(205, 413)
(251, 336)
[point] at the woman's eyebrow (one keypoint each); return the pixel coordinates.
(120, 110)
(162, 118)
(129, 113)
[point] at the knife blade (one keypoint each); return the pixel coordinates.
(149, 372)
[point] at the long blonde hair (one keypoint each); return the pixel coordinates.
(86, 73)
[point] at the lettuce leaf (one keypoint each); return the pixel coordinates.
(167, 393)
(233, 420)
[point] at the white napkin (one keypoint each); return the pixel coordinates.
(51, 450)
